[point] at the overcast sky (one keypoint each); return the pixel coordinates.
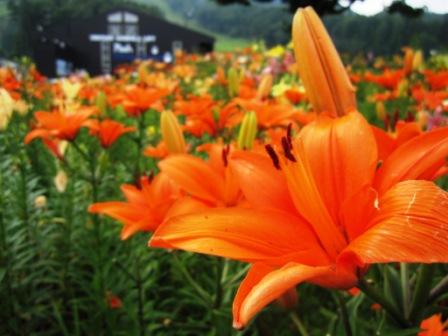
(372, 7)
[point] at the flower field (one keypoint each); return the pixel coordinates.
(257, 192)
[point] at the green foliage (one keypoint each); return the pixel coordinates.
(385, 34)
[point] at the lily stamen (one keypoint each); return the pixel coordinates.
(273, 155)
(287, 149)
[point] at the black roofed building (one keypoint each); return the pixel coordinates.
(118, 36)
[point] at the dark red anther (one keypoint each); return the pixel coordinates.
(396, 118)
(287, 147)
(379, 164)
(410, 116)
(387, 122)
(144, 179)
(274, 157)
(137, 181)
(150, 176)
(225, 153)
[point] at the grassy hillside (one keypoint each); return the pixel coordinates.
(223, 42)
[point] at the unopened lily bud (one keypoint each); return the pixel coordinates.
(101, 102)
(172, 133)
(403, 87)
(233, 79)
(151, 130)
(142, 72)
(417, 63)
(264, 88)
(60, 181)
(408, 59)
(6, 108)
(248, 131)
(62, 146)
(422, 118)
(380, 111)
(326, 81)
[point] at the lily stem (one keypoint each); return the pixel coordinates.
(298, 323)
(201, 292)
(219, 272)
(404, 275)
(378, 297)
(140, 137)
(422, 290)
(438, 290)
(141, 298)
(344, 315)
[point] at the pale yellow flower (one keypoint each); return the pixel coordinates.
(60, 181)
(70, 89)
(6, 108)
(40, 202)
(21, 107)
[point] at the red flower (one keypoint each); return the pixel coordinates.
(58, 125)
(113, 301)
(108, 131)
(433, 326)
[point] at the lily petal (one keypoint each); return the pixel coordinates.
(253, 168)
(419, 158)
(385, 143)
(309, 202)
(342, 154)
(263, 285)
(241, 234)
(194, 176)
(411, 226)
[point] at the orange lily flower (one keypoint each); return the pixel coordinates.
(8, 79)
(58, 125)
(55, 146)
(322, 214)
(272, 114)
(190, 172)
(294, 96)
(137, 100)
(221, 76)
(247, 88)
(384, 96)
(433, 326)
(146, 205)
(387, 142)
(199, 113)
(108, 131)
(437, 80)
(429, 99)
(158, 152)
(408, 60)
(321, 238)
(389, 79)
